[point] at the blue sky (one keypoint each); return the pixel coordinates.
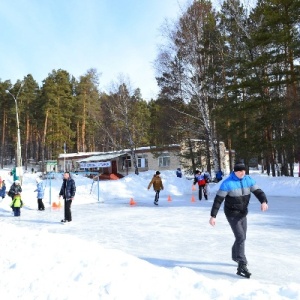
(114, 36)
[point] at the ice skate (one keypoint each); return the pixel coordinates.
(243, 271)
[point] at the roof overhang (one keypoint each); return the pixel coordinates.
(102, 157)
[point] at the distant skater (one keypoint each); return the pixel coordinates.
(178, 173)
(219, 175)
(67, 191)
(157, 186)
(15, 193)
(40, 194)
(3, 190)
(202, 179)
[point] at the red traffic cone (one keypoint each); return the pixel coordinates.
(193, 199)
(132, 202)
(169, 198)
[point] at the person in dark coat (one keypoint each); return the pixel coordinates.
(67, 191)
(219, 175)
(178, 173)
(236, 190)
(202, 179)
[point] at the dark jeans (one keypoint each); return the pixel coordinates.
(156, 196)
(17, 211)
(239, 229)
(68, 214)
(41, 205)
(202, 188)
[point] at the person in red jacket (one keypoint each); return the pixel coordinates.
(202, 180)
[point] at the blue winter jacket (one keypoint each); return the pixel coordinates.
(40, 190)
(68, 189)
(236, 193)
(3, 191)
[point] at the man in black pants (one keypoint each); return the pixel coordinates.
(236, 190)
(67, 191)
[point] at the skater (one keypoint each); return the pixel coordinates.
(67, 191)
(3, 190)
(219, 175)
(15, 193)
(157, 186)
(236, 189)
(178, 173)
(202, 179)
(40, 193)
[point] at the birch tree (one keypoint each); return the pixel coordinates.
(189, 65)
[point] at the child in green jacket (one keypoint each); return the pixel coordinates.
(15, 193)
(16, 205)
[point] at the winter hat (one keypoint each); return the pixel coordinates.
(239, 166)
(157, 173)
(17, 182)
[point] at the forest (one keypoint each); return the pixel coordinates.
(230, 75)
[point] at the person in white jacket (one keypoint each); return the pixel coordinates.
(40, 193)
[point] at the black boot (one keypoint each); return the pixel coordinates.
(242, 270)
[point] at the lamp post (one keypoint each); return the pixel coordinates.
(19, 158)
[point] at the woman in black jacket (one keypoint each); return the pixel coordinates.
(67, 191)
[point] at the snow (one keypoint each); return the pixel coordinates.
(114, 250)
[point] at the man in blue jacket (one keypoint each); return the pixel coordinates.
(67, 191)
(236, 190)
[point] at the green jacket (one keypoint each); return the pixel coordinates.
(16, 202)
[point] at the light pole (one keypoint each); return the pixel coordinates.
(19, 158)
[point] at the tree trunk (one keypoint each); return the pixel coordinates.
(3, 139)
(44, 141)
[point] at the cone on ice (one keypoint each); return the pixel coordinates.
(132, 202)
(193, 187)
(169, 198)
(193, 199)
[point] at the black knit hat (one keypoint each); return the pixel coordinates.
(239, 166)
(157, 173)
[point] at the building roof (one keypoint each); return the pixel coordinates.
(102, 157)
(81, 155)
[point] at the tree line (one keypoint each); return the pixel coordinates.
(236, 71)
(230, 75)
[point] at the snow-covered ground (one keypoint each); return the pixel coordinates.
(114, 250)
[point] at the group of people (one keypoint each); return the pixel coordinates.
(236, 190)
(67, 191)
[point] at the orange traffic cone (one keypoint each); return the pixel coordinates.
(54, 204)
(169, 198)
(193, 199)
(193, 187)
(132, 202)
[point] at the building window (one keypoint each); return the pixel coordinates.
(142, 162)
(164, 160)
(127, 162)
